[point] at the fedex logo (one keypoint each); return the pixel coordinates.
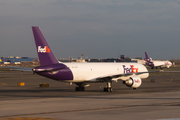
(43, 50)
(137, 81)
(132, 69)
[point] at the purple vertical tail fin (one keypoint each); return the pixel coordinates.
(149, 60)
(45, 54)
(146, 55)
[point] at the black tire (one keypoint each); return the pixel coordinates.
(82, 89)
(111, 89)
(77, 89)
(105, 89)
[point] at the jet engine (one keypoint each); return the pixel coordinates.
(133, 82)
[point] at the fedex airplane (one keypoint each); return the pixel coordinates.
(156, 64)
(82, 74)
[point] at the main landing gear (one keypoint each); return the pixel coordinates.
(80, 87)
(108, 88)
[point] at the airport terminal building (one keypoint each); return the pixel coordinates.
(15, 60)
(28, 61)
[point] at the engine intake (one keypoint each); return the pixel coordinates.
(133, 82)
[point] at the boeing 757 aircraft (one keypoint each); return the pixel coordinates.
(156, 64)
(82, 74)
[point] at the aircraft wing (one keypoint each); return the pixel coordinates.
(138, 73)
(19, 68)
(120, 75)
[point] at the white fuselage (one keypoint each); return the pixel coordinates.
(162, 63)
(83, 72)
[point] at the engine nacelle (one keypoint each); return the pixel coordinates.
(133, 82)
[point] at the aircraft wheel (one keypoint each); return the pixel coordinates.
(108, 89)
(105, 89)
(82, 88)
(111, 90)
(77, 89)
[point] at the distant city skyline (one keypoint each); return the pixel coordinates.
(96, 29)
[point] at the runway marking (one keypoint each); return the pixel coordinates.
(91, 109)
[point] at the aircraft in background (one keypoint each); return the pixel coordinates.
(82, 74)
(156, 64)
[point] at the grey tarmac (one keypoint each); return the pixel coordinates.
(157, 98)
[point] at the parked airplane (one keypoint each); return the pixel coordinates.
(156, 64)
(82, 74)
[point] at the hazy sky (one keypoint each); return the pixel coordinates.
(96, 28)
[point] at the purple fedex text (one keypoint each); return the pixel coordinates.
(130, 70)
